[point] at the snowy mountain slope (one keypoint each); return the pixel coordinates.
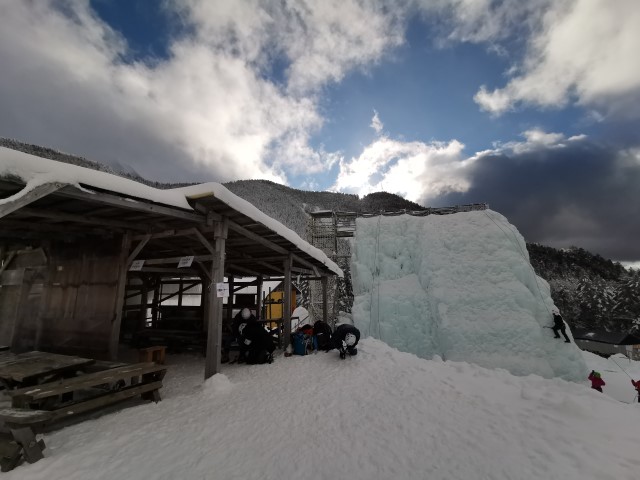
(380, 415)
(458, 286)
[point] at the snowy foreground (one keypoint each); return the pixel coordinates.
(383, 414)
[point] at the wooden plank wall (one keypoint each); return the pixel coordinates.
(80, 305)
(65, 304)
(20, 292)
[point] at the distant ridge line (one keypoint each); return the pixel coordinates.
(432, 210)
(416, 213)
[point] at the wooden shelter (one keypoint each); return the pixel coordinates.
(608, 343)
(69, 237)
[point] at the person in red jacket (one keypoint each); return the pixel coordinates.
(596, 381)
(637, 385)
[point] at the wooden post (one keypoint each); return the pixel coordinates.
(230, 300)
(214, 320)
(259, 299)
(206, 292)
(286, 306)
(324, 299)
(155, 302)
(119, 301)
(144, 295)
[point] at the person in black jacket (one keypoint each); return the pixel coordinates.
(345, 338)
(558, 325)
(259, 344)
(243, 318)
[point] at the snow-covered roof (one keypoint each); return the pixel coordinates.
(602, 336)
(35, 171)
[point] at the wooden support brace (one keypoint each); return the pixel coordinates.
(31, 448)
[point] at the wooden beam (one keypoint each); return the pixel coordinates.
(209, 214)
(325, 304)
(175, 271)
(119, 300)
(272, 267)
(205, 270)
(172, 233)
(286, 307)
(259, 295)
(242, 260)
(162, 261)
(237, 268)
(180, 290)
(31, 226)
(139, 205)
(257, 238)
(137, 250)
(204, 241)
(230, 302)
(70, 217)
(31, 196)
(6, 263)
(277, 248)
(214, 331)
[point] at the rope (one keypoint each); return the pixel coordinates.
(378, 274)
(376, 281)
(625, 372)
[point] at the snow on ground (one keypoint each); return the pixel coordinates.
(617, 372)
(382, 414)
(458, 286)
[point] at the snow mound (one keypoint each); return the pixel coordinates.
(458, 286)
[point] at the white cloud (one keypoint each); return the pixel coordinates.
(211, 110)
(413, 170)
(421, 172)
(321, 40)
(484, 20)
(376, 123)
(535, 139)
(582, 49)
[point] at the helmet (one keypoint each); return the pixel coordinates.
(555, 310)
(350, 339)
(246, 313)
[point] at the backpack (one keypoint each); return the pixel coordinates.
(302, 343)
(322, 332)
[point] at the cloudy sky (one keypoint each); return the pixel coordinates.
(531, 107)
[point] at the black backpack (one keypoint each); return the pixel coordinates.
(322, 332)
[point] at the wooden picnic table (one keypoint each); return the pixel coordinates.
(35, 367)
(36, 406)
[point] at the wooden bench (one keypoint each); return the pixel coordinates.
(155, 353)
(40, 405)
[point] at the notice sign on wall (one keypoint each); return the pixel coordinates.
(185, 262)
(222, 289)
(136, 265)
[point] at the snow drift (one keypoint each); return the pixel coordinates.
(381, 415)
(457, 286)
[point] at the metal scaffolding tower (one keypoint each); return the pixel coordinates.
(328, 231)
